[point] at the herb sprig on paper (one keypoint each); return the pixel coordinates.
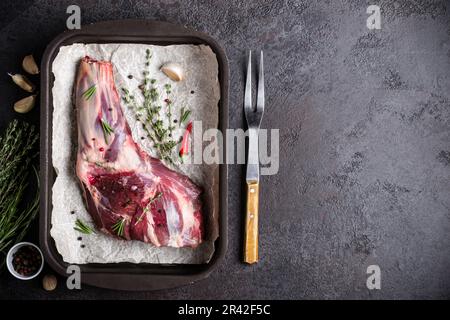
(83, 227)
(149, 113)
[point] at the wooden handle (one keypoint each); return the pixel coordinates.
(251, 223)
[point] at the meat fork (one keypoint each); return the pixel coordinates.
(253, 116)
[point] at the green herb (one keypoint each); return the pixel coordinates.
(89, 92)
(107, 130)
(147, 207)
(83, 227)
(156, 197)
(17, 151)
(168, 101)
(100, 164)
(148, 113)
(185, 113)
(167, 86)
(118, 227)
(154, 95)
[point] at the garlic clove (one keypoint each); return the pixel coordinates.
(173, 70)
(29, 65)
(22, 82)
(49, 282)
(25, 105)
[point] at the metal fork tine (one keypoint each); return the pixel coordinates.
(248, 85)
(260, 96)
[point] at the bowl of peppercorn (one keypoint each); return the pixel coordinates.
(25, 260)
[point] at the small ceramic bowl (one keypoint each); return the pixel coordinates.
(9, 260)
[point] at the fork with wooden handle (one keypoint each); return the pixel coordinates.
(253, 116)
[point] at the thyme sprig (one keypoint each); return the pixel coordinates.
(119, 227)
(168, 101)
(148, 113)
(147, 207)
(17, 151)
(83, 227)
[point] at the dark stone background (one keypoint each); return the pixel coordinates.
(364, 141)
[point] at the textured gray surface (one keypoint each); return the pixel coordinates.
(365, 148)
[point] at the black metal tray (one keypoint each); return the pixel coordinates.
(127, 276)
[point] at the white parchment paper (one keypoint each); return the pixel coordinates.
(200, 92)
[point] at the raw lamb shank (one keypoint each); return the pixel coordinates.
(128, 193)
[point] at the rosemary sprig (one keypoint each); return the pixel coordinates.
(107, 130)
(83, 227)
(118, 227)
(89, 92)
(147, 207)
(185, 113)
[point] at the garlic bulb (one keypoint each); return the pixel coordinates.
(173, 71)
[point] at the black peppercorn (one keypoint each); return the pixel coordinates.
(26, 260)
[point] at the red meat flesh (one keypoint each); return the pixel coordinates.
(120, 181)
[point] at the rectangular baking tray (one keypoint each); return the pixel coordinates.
(127, 276)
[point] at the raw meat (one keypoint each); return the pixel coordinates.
(128, 193)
